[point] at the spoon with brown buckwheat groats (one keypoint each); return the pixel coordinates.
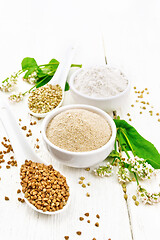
(45, 189)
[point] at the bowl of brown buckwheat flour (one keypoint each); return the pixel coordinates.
(100, 86)
(79, 135)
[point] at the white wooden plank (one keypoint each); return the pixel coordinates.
(106, 194)
(142, 216)
(132, 38)
(137, 54)
(144, 74)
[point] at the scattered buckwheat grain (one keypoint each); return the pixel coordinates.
(86, 214)
(66, 237)
(97, 224)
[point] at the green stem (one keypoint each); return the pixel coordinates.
(50, 64)
(136, 178)
(126, 152)
(29, 90)
(115, 145)
(124, 149)
(127, 139)
(51, 73)
(20, 72)
(76, 65)
(35, 86)
(113, 161)
(5, 80)
(40, 81)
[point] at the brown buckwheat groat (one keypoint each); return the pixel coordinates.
(43, 186)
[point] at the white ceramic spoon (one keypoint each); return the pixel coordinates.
(59, 78)
(21, 148)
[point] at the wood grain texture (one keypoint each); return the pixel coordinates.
(106, 200)
(131, 35)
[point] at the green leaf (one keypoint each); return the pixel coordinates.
(53, 64)
(42, 81)
(66, 86)
(137, 144)
(49, 69)
(122, 140)
(28, 63)
(40, 74)
(54, 61)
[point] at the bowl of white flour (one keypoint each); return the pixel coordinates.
(100, 86)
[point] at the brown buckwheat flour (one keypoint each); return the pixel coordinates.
(78, 130)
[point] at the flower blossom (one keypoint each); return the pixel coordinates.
(142, 168)
(16, 97)
(147, 197)
(104, 171)
(9, 84)
(123, 174)
(32, 78)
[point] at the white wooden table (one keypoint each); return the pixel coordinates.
(42, 29)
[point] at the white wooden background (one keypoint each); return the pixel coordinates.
(42, 29)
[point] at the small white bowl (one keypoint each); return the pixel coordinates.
(107, 104)
(79, 159)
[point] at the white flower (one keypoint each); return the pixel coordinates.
(104, 171)
(130, 160)
(16, 97)
(143, 169)
(123, 174)
(32, 78)
(9, 84)
(147, 197)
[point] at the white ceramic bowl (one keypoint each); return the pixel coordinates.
(107, 104)
(79, 159)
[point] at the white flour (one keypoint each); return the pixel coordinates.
(100, 82)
